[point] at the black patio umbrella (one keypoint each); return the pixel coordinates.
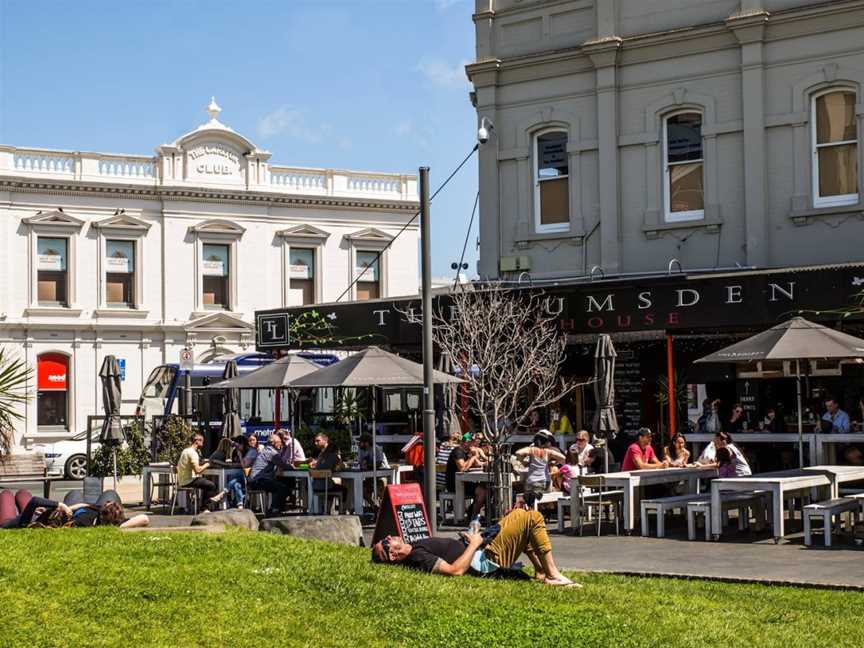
(796, 339)
(112, 428)
(231, 403)
(605, 421)
(449, 418)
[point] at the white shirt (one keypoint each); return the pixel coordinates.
(742, 468)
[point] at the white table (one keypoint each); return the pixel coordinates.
(631, 482)
(147, 474)
(840, 474)
(353, 479)
(462, 478)
(779, 484)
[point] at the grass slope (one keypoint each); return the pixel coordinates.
(100, 587)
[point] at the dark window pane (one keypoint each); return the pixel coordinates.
(216, 292)
(838, 170)
(552, 155)
(51, 408)
(684, 137)
(554, 202)
(685, 191)
(835, 118)
(119, 289)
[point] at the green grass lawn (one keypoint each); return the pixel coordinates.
(100, 587)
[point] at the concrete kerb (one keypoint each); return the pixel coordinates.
(724, 579)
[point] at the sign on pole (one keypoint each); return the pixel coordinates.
(121, 362)
(187, 361)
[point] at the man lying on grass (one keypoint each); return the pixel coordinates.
(521, 532)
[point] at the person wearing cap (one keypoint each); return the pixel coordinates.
(640, 455)
(540, 453)
(464, 457)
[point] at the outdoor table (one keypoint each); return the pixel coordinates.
(352, 478)
(220, 473)
(840, 474)
(473, 476)
(778, 484)
(631, 482)
(147, 474)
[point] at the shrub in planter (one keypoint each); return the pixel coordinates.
(132, 456)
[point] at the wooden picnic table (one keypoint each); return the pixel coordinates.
(631, 482)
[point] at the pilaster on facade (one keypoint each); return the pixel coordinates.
(749, 29)
(603, 53)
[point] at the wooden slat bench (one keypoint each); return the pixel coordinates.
(23, 468)
(827, 510)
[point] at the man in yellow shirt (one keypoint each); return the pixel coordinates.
(559, 423)
(189, 469)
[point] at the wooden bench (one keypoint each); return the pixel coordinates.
(827, 510)
(23, 468)
(660, 506)
(741, 501)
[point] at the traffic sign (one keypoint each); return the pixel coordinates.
(187, 361)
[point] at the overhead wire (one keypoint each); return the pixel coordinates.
(408, 224)
(465, 244)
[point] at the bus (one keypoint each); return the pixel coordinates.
(163, 392)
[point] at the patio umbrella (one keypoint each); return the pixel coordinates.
(231, 403)
(605, 421)
(112, 428)
(372, 367)
(796, 339)
(450, 422)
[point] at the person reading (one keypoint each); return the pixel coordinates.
(521, 532)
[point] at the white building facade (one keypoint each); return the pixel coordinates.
(141, 256)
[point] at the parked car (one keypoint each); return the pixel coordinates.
(69, 457)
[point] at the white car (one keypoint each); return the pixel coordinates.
(69, 457)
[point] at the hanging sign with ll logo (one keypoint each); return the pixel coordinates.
(272, 330)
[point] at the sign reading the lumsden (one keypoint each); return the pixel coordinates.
(673, 303)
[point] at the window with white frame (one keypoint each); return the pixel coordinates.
(835, 148)
(684, 186)
(216, 274)
(120, 273)
(301, 272)
(551, 182)
(52, 258)
(368, 282)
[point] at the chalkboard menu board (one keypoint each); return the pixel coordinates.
(628, 391)
(402, 513)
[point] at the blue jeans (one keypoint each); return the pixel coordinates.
(235, 482)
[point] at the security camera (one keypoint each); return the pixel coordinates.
(485, 130)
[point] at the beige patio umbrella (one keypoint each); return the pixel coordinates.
(797, 339)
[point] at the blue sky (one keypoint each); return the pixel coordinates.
(361, 84)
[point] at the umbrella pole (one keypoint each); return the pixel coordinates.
(114, 453)
(374, 452)
(277, 414)
(800, 420)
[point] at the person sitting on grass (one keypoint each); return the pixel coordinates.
(521, 532)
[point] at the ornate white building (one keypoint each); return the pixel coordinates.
(141, 256)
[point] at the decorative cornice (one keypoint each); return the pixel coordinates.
(748, 26)
(603, 52)
(74, 188)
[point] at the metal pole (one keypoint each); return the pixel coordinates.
(800, 421)
(187, 393)
(428, 390)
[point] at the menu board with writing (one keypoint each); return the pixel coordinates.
(402, 512)
(628, 391)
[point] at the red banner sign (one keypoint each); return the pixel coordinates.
(51, 372)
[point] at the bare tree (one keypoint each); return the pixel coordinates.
(511, 352)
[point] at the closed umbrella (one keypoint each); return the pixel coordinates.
(231, 403)
(796, 339)
(112, 428)
(450, 421)
(605, 421)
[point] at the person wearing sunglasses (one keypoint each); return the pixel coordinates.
(521, 531)
(738, 419)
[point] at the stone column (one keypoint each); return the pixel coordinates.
(749, 28)
(603, 53)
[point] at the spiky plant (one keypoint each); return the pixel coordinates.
(14, 376)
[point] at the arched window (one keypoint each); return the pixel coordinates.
(52, 381)
(551, 182)
(835, 148)
(683, 186)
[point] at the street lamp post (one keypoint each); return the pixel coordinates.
(428, 385)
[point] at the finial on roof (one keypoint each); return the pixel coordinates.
(213, 109)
